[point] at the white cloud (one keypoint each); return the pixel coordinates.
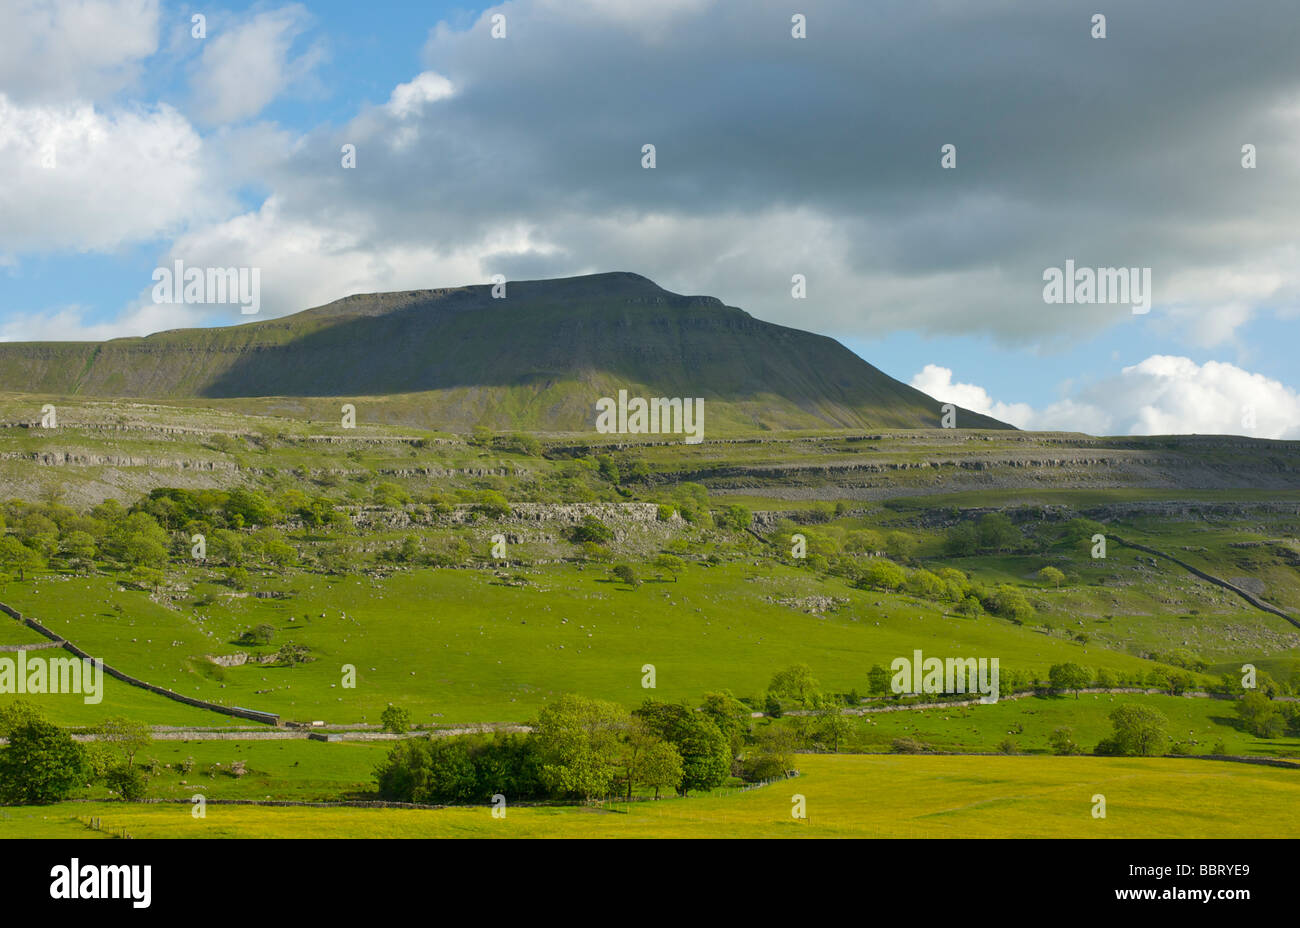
(79, 178)
(70, 323)
(302, 265)
(937, 382)
(78, 49)
(1162, 395)
(409, 99)
(247, 65)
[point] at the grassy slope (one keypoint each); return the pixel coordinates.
(847, 796)
(458, 645)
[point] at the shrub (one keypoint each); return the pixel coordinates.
(395, 719)
(128, 782)
(909, 745)
(1051, 575)
(625, 574)
(882, 574)
(259, 635)
(1009, 603)
(41, 763)
(590, 530)
(1061, 742)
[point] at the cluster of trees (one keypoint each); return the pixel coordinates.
(237, 527)
(587, 749)
(1136, 731)
(1265, 718)
(42, 764)
(997, 533)
(948, 584)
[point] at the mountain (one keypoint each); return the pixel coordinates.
(538, 359)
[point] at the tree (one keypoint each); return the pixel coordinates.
(661, 768)
(730, 715)
(735, 517)
(18, 713)
(961, 540)
(280, 553)
(1051, 575)
(258, 636)
(795, 682)
(493, 505)
(833, 726)
(590, 529)
(1068, 676)
(878, 680)
(669, 564)
(390, 495)
(1061, 742)
(80, 548)
(705, 750)
(249, 507)
(625, 574)
(291, 654)
(41, 764)
(997, 532)
(452, 777)
(1138, 730)
(925, 584)
(405, 773)
(335, 558)
(127, 736)
(882, 574)
(127, 781)
(15, 557)
(1260, 715)
(865, 541)
(772, 754)
(395, 719)
(1010, 603)
(900, 546)
(608, 469)
(578, 740)
(956, 584)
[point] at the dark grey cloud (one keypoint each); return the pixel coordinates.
(821, 155)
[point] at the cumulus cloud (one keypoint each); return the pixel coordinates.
(247, 63)
(937, 382)
(80, 49)
(1162, 395)
(410, 99)
(80, 178)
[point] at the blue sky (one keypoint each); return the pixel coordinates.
(133, 144)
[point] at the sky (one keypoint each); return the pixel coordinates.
(790, 138)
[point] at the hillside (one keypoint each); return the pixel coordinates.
(539, 359)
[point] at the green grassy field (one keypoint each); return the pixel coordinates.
(1197, 723)
(462, 646)
(481, 641)
(846, 796)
